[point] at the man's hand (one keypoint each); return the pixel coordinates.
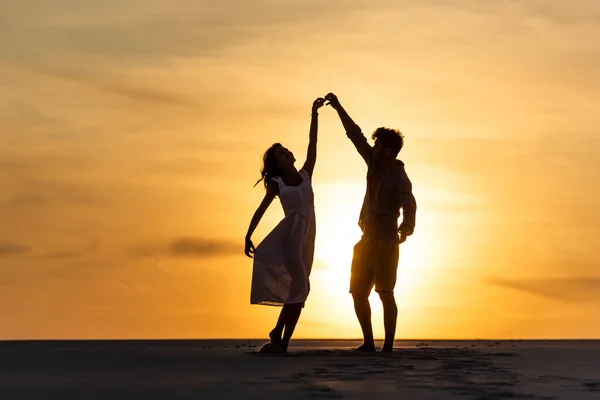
(404, 232)
(318, 103)
(332, 101)
(402, 237)
(249, 250)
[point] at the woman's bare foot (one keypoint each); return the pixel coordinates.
(366, 348)
(275, 336)
(272, 348)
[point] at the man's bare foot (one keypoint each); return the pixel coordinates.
(366, 348)
(388, 347)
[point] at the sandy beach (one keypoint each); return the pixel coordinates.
(233, 369)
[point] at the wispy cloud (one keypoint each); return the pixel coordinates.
(116, 85)
(189, 247)
(573, 290)
(43, 194)
(195, 247)
(71, 254)
(10, 166)
(8, 249)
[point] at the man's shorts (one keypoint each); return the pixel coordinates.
(375, 263)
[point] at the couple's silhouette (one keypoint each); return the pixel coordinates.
(283, 260)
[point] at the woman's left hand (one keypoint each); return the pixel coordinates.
(318, 103)
(249, 248)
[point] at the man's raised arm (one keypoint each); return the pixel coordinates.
(353, 131)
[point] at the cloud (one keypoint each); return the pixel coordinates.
(192, 247)
(189, 247)
(47, 194)
(10, 167)
(86, 250)
(114, 85)
(572, 290)
(7, 249)
(140, 29)
(182, 166)
(65, 255)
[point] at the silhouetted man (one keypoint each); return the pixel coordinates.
(375, 259)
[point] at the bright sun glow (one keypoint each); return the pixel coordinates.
(338, 206)
(338, 232)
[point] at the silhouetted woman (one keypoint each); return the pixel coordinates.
(283, 260)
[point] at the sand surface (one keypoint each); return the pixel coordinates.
(312, 369)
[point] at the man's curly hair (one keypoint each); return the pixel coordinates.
(392, 138)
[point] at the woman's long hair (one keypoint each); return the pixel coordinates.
(270, 168)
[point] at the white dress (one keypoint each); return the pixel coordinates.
(283, 260)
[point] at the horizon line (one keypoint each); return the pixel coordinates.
(297, 340)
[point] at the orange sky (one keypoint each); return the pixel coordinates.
(131, 135)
